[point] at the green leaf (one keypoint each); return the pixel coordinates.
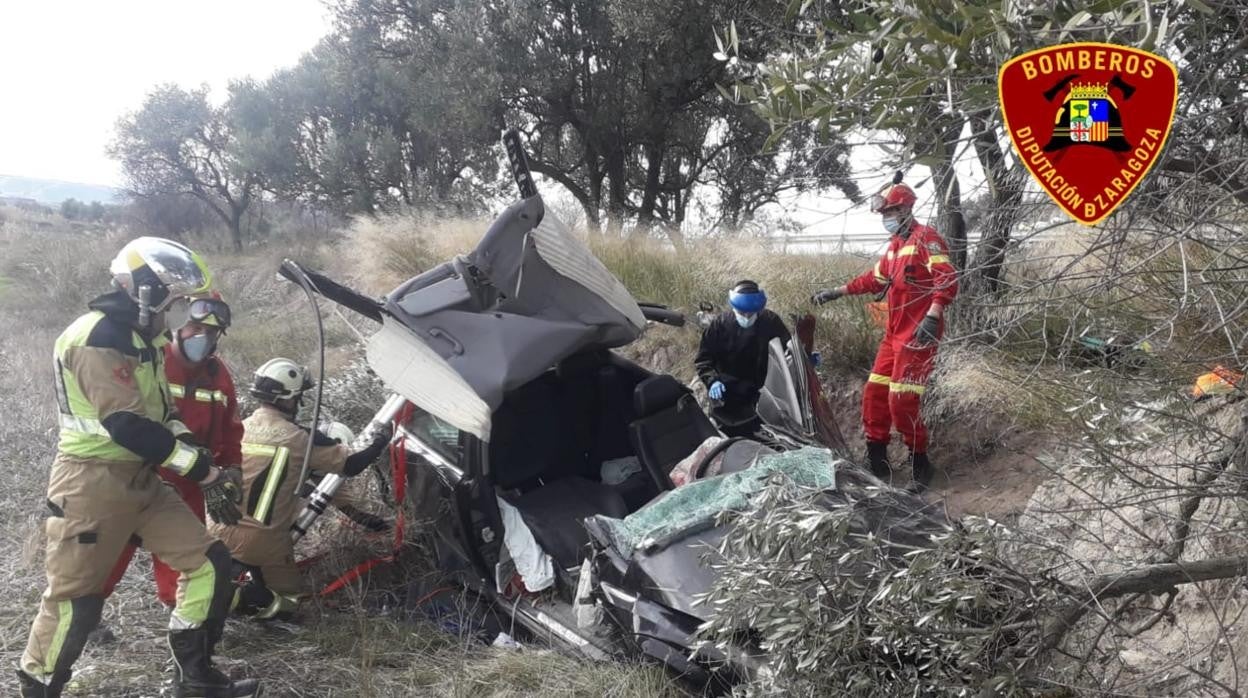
(1199, 7)
(884, 30)
(769, 145)
(1077, 20)
(732, 31)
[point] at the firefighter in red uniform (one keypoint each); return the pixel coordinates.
(203, 392)
(920, 282)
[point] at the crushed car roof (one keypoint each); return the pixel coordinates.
(458, 337)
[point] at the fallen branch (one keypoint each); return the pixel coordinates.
(1152, 579)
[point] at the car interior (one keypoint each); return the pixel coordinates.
(551, 437)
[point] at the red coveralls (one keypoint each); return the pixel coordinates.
(207, 404)
(916, 271)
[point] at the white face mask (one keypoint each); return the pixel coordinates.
(198, 347)
(745, 321)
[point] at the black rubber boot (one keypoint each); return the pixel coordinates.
(34, 689)
(877, 458)
(922, 472)
(195, 676)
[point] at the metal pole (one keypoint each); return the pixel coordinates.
(324, 492)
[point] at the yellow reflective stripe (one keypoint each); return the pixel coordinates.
(280, 604)
(194, 598)
(276, 470)
(258, 450)
(889, 255)
(906, 251)
(209, 396)
(907, 388)
(65, 617)
(82, 425)
(878, 275)
(938, 259)
(179, 391)
(879, 378)
(182, 459)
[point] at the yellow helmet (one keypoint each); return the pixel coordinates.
(156, 272)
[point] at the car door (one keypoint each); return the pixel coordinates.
(785, 399)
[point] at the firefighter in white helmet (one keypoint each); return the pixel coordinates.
(273, 449)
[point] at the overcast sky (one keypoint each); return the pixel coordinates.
(71, 68)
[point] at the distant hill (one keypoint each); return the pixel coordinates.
(53, 192)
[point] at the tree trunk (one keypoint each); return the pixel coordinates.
(984, 275)
(650, 195)
(236, 227)
(1006, 189)
(950, 220)
(616, 186)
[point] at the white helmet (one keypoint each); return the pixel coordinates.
(156, 273)
(340, 431)
(280, 379)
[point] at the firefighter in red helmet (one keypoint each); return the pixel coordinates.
(920, 283)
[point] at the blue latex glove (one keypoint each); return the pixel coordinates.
(717, 391)
(815, 358)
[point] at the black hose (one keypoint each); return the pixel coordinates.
(292, 270)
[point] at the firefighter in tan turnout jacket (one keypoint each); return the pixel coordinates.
(273, 449)
(117, 430)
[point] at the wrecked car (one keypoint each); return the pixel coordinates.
(552, 461)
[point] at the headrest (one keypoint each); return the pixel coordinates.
(656, 394)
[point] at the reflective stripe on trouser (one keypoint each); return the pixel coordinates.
(97, 506)
(256, 598)
(892, 397)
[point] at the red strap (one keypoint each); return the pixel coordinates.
(398, 471)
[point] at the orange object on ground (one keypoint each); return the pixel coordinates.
(1219, 381)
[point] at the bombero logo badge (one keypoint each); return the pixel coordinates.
(1088, 120)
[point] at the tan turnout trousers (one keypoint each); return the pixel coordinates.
(96, 508)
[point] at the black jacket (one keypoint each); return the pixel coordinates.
(737, 356)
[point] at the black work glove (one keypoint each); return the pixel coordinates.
(223, 495)
(926, 333)
(358, 461)
(826, 295)
(383, 436)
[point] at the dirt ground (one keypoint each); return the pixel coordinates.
(978, 471)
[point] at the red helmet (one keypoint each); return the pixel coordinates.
(898, 195)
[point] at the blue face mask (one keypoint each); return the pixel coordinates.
(745, 321)
(198, 347)
(892, 225)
